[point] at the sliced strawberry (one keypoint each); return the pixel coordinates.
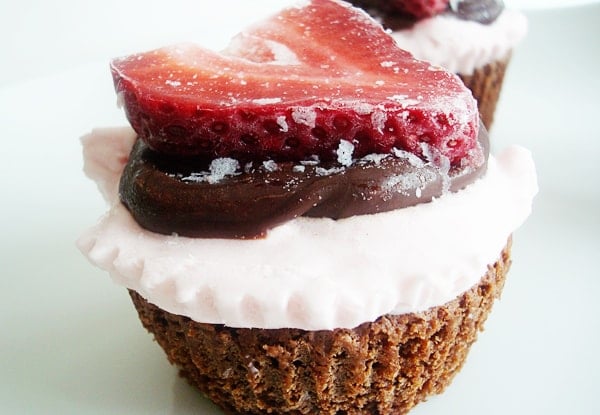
(295, 86)
(418, 9)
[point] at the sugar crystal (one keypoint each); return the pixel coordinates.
(281, 122)
(305, 115)
(219, 169)
(326, 172)
(414, 160)
(378, 119)
(222, 167)
(344, 152)
(312, 162)
(270, 165)
(374, 158)
(266, 101)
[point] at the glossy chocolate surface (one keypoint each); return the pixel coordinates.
(167, 195)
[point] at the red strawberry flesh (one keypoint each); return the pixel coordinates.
(295, 86)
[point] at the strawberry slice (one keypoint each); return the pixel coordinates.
(295, 86)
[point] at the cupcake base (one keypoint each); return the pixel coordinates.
(381, 367)
(486, 83)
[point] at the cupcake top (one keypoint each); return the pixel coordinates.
(312, 273)
(459, 35)
(461, 46)
(292, 90)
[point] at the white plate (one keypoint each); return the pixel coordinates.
(71, 342)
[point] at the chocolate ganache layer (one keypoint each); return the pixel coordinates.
(481, 11)
(222, 199)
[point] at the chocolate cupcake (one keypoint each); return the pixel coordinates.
(472, 38)
(381, 367)
(306, 224)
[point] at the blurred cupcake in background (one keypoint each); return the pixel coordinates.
(473, 38)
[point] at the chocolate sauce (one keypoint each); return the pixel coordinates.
(481, 11)
(393, 16)
(168, 195)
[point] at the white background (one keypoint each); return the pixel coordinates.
(70, 341)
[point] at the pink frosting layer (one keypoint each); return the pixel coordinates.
(462, 46)
(312, 273)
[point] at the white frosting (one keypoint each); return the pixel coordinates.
(461, 46)
(314, 273)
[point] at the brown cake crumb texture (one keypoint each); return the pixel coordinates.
(383, 367)
(486, 83)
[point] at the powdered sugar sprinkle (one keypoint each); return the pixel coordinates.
(305, 115)
(344, 153)
(219, 169)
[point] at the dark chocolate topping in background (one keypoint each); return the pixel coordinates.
(164, 195)
(481, 11)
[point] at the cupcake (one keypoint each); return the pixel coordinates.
(307, 222)
(472, 38)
